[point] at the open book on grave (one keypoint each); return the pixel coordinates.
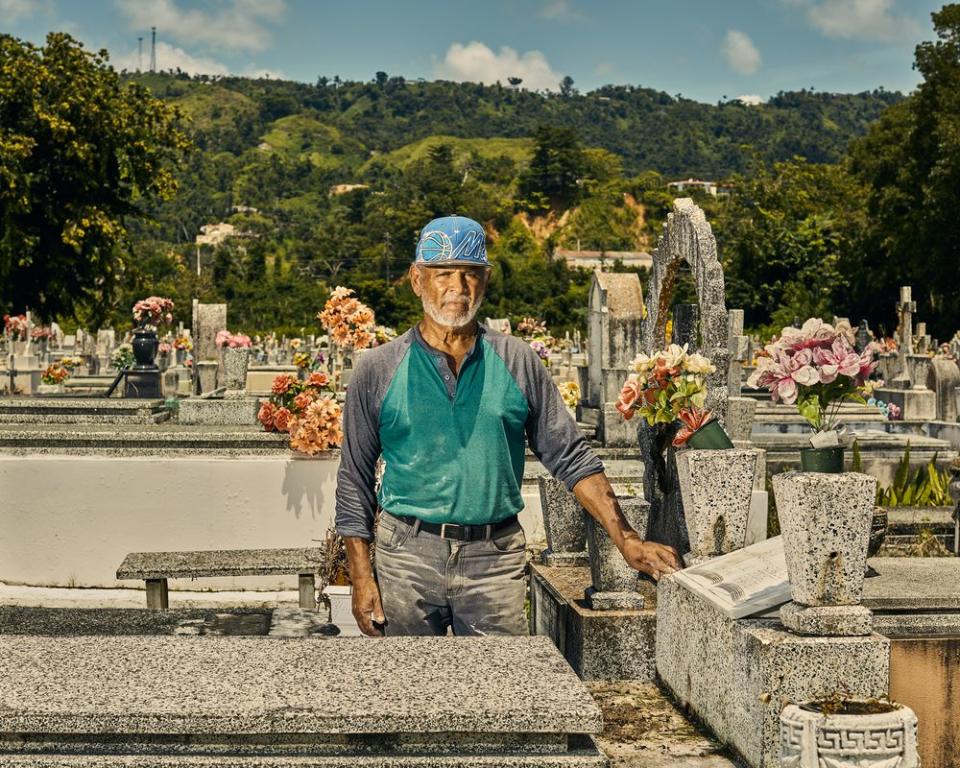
(750, 581)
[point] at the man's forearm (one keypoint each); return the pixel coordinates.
(597, 497)
(358, 558)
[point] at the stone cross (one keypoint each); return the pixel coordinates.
(905, 309)
(922, 339)
(739, 351)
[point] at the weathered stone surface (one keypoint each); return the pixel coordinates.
(260, 377)
(208, 321)
(913, 584)
(943, 378)
(609, 571)
(870, 740)
(741, 412)
(235, 362)
(207, 371)
(599, 645)
(736, 675)
(563, 517)
(233, 562)
(174, 685)
(213, 412)
(827, 620)
(615, 601)
(687, 236)
(825, 521)
(717, 488)
(914, 404)
(565, 559)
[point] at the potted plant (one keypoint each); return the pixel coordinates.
(668, 387)
(148, 314)
(841, 730)
(817, 369)
(307, 410)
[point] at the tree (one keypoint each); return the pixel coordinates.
(80, 154)
(566, 87)
(910, 162)
(556, 168)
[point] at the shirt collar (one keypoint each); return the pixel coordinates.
(418, 337)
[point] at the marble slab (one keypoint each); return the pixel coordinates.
(237, 685)
(228, 562)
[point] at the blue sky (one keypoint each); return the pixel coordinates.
(704, 49)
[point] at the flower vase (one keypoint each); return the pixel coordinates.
(857, 735)
(613, 582)
(825, 520)
(711, 436)
(563, 525)
(717, 489)
(181, 356)
(826, 460)
(236, 360)
(145, 346)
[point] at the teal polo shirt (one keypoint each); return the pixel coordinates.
(452, 446)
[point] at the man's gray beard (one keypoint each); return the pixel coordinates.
(458, 320)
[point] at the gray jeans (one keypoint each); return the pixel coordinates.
(429, 584)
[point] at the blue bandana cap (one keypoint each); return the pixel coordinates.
(452, 240)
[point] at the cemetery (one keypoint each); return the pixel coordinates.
(183, 479)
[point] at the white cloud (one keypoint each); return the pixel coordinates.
(750, 99)
(559, 10)
(477, 63)
(235, 25)
(13, 10)
(861, 20)
(740, 52)
(170, 57)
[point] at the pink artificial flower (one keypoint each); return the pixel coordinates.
(893, 412)
(783, 373)
(628, 396)
(836, 360)
(814, 333)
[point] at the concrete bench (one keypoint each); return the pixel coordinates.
(156, 567)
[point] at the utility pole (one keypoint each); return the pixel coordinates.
(140, 54)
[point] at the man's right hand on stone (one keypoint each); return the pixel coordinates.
(367, 609)
(651, 558)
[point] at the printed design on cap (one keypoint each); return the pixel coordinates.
(471, 247)
(435, 246)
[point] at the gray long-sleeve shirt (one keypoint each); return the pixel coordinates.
(453, 446)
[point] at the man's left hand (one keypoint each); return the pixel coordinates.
(648, 557)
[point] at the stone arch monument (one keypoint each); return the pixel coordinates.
(688, 238)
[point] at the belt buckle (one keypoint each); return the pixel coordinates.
(443, 528)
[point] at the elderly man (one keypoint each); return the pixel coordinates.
(448, 405)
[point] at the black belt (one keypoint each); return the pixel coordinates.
(458, 532)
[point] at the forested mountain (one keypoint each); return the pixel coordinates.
(331, 182)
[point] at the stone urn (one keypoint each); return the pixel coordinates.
(717, 489)
(825, 521)
(563, 524)
(145, 345)
(614, 583)
(861, 734)
(235, 363)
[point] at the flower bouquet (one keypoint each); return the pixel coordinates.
(225, 339)
(307, 410)
(817, 369)
(123, 357)
(570, 392)
(350, 323)
(16, 327)
(153, 311)
(183, 342)
(55, 373)
(671, 386)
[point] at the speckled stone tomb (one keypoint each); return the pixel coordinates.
(614, 644)
(613, 582)
(737, 674)
(397, 702)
